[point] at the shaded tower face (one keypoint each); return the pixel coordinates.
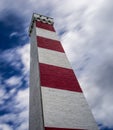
(56, 99)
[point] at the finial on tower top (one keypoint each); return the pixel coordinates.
(41, 18)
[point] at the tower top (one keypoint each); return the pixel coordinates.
(41, 18)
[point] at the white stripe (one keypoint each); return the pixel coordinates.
(46, 33)
(53, 58)
(66, 109)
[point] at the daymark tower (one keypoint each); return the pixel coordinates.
(56, 99)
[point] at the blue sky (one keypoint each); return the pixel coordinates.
(85, 30)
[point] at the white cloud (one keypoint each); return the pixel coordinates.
(24, 117)
(2, 94)
(11, 57)
(5, 127)
(13, 34)
(24, 52)
(14, 80)
(22, 100)
(17, 56)
(20, 104)
(7, 117)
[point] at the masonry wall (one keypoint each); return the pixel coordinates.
(35, 109)
(64, 105)
(56, 99)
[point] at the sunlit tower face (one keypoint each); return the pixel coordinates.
(56, 99)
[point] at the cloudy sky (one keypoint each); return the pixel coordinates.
(85, 28)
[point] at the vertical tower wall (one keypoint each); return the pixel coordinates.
(35, 108)
(59, 98)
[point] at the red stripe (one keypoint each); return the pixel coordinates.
(51, 128)
(45, 26)
(49, 44)
(58, 77)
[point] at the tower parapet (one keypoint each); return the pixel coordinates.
(41, 18)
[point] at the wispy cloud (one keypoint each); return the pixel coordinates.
(13, 34)
(18, 116)
(12, 81)
(13, 97)
(5, 127)
(24, 52)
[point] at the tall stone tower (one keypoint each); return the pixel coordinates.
(56, 99)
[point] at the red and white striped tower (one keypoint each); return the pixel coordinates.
(56, 99)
